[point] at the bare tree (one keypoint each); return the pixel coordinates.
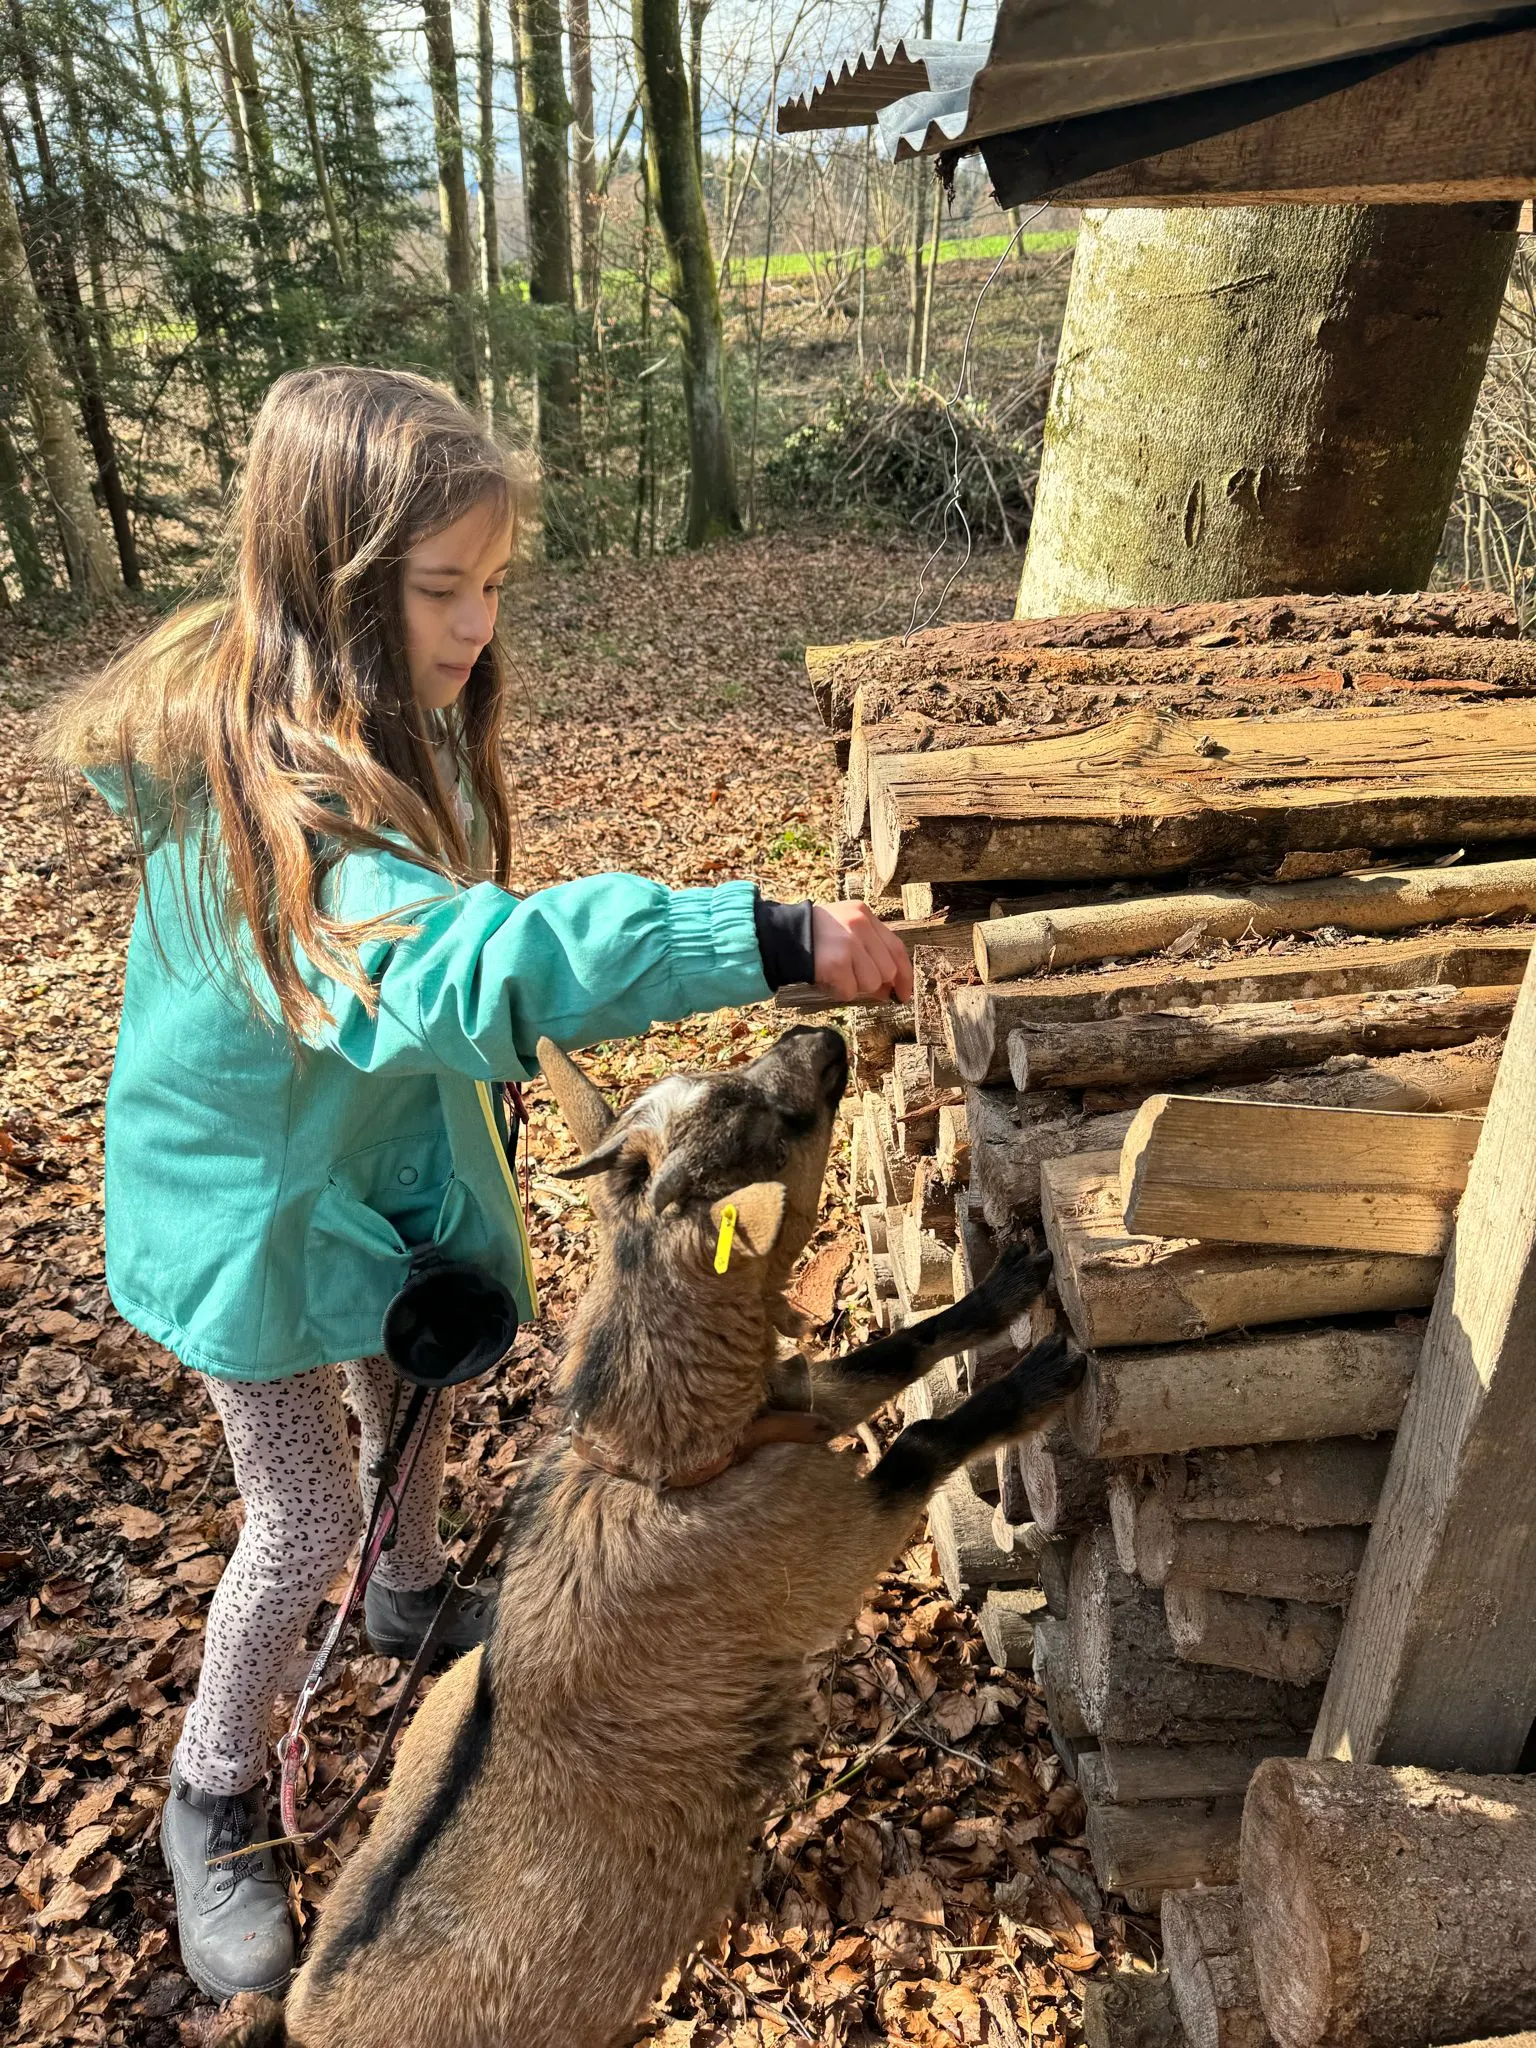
(86, 550)
(584, 150)
(677, 193)
(551, 279)
(452, 197)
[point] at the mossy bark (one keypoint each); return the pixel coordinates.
(1261, 400)
(677, 192)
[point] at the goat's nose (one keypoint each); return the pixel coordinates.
(832, 1060)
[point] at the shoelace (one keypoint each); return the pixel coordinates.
(231, 1828)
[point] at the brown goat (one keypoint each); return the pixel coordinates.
(573, 1806)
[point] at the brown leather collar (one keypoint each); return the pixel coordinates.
(773, 1426)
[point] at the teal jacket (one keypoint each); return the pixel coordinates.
(263, 1198)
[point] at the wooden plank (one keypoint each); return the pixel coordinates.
(1288, 1388)
(1251, 1038)
(1151, 794)
(1377, 900)
(1454, 124)
(978, 1020)
(1269, 1173)
(1438, 1662)
(1120, 1288)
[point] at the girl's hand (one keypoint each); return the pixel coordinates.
(856, 955)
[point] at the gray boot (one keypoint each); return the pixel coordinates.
(233, 1922)
(397, 1622)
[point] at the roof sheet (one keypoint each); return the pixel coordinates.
(1055, 60)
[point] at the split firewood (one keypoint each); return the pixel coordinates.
(1290, 1640)
(873, 1225)
(1133, 1686)
(1205, 1945)
(1008, 1616)
(881, 1277)
(932, 1204)
(1291, 1387)
(978, 1019)
(1175, 1045)
(1167, 1846)
(1255, 1558)
(1379, 900)
(1053, 1565)
(1389, 1905)
(1272, 1173)
(952, 1147)
(1066, 1491)
(960, 1526)
(1015, 1135)
(1012, 1500)
(933, 975)
(914, 1112)
(1130, 2009)
(974, 1243)
(891, 1175)
(928, 1264)
(921, 902)
(1294, 631)
(1119, 1288)
(1057, 1681)
(935, 1394)
(1152, 793)
(1152, 1771)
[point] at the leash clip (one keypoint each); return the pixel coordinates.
(726, 1238)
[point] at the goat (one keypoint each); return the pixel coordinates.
(573, 1806)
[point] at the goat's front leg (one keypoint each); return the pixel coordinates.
(1023, 1399)
(849, 1388)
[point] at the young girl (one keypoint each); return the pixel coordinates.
(325, 963)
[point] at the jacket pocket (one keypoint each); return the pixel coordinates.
(377, 1207)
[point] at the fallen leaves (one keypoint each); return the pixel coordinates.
(907, 1888)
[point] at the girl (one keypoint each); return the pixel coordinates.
(325, 963)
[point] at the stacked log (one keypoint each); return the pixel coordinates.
(1390, 1906)
(1155, 867)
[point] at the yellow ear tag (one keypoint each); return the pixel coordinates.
(727, 1237)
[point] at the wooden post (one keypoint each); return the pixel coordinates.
(1437, 1664)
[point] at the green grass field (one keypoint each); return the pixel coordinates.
(970, 249)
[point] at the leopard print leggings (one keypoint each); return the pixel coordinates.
(305, 1508)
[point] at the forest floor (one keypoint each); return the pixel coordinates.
(925, 1880)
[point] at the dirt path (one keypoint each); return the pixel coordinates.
(924, 1883)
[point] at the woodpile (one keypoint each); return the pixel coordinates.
(1218, 919)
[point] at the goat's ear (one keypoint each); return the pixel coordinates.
(579, 1101)
(759, 1215)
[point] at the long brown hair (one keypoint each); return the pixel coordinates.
(283, 705)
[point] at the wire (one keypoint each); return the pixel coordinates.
(952, 502)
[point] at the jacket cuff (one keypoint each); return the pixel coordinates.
(784, 941)
(713, 947)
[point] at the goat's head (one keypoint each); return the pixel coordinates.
(664, 1169)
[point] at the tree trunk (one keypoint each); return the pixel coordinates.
(452, 198)
(1257, 399)
(27, 557)
(21, 316)
(584, 151)
(551, 282)
(304, 77)
(1389, 1905)
(673, 175)
(698, 14)
(485, 82)
(93, 213)
(55, 258)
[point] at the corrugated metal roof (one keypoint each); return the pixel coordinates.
(1055, 60)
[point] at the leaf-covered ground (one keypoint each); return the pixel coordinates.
(925, 1881)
